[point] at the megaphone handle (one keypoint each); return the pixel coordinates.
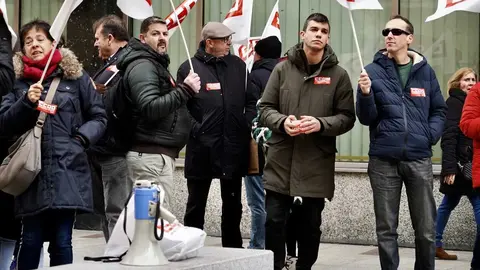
(157, 216)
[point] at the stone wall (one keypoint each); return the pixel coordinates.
(348, 218)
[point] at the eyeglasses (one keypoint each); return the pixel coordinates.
(224, 39)
(394, 31)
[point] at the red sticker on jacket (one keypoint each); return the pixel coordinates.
(173, 82)
(417, 92)
(47, 108)
(213, 86)
(322, 80)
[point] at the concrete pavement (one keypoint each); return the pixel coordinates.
(331, 256)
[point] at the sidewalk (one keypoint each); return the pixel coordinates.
(330, 256)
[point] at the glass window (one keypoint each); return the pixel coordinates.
(448, 43)
(40, 9)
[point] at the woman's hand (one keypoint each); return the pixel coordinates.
(449, 179)
(34, 92)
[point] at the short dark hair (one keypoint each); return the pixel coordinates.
(409, 24)
(38, 25)
(317, 17)
(149, 21)
(112, 25)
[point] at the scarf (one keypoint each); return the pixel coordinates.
(33, 69)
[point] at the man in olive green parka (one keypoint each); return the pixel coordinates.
(307, 103)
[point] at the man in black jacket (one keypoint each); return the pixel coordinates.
(9, 227)
(107, 158)
(267, 53)
(222, 114)
(159, 106)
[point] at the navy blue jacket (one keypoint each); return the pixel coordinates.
(404, 121)
(64, 181)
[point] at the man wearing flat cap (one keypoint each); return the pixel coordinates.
(222, 113)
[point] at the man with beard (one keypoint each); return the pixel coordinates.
(307, 103)
(107, 157)
(222, 114)
(162, 124)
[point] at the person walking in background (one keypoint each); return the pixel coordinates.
(399, 98)
(63, 187)
(457, 150)
(267, 53)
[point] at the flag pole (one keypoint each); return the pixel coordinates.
(183, 36)
(355, 37)
(48, 62)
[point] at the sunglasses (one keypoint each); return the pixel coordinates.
(394, 31)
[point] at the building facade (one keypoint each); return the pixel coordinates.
(449, 43)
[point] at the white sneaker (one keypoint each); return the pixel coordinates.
(290, 263)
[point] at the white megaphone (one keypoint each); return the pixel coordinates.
(145, 249)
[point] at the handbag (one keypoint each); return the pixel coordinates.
(24, 161)
(466, 170)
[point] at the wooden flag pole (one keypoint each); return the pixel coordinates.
(183, 36)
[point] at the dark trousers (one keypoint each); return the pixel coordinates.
(54, 226)
(293, 230)
(231, 190)
(387, 178)
(309, 219)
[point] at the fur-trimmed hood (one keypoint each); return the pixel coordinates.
(72, 68)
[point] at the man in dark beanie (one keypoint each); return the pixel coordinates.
(267, 52)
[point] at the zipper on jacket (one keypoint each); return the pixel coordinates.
(404, 109)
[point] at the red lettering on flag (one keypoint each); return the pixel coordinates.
(171, 20)
(451, 3)
(236, 10)
(149, 2)
(242, 50)
(352, 1)
(276, 20)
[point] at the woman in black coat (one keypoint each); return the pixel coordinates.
(456, 147)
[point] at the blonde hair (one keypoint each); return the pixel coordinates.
(454, 81)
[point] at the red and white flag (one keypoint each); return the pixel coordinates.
(137, 9)
(360, 4)
(446, 7)
(273, 24)
(182, 12)
(246, 52)
(62, 17)
(3, 11)
(239, 20)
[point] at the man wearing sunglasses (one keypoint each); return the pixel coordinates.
(219, 142)
(400, 99)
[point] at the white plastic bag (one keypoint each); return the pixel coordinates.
(179, 242)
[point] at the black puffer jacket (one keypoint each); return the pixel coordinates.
(159, 104)
(455, 146)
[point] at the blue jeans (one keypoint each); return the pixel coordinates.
(256, 202)
(54, 226)
(387, 178)
(7, 248)
(449, 203)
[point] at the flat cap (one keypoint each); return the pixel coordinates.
(216, 30)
